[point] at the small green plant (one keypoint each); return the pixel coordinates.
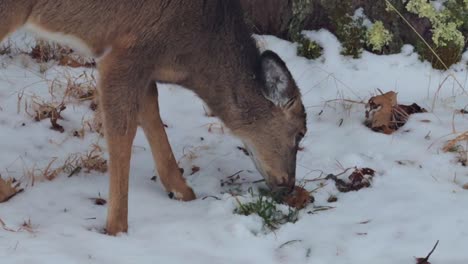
(353, 37)
(266, 208)
(350, 31)
(378, 36)
(308, 48)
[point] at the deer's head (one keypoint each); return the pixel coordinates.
(273, 139)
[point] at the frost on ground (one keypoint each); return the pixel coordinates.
(415, 199)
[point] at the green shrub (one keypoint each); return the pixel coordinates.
(308, 48)
(378, 36)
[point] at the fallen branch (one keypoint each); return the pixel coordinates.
(426, 259)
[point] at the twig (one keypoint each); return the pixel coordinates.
(345, 100)
(235, 174)
(4, 226)
(289, 242)
(211, 196)
(426, 259)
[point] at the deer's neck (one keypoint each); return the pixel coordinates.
(237, 103)
(229, 80)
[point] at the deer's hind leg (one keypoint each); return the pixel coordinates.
(167, 167)
(122, 81)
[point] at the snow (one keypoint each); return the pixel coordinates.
(415, 200)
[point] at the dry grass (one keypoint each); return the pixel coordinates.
(456, 146)
(92, 160)
(68, 89)
(26, 226)
(34, 174)
(451, 144)
(190, 153)
(82, 87)
(46, 110)
(45, 51)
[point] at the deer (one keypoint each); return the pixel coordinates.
(202, 45)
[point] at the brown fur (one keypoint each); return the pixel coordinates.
(203, 45)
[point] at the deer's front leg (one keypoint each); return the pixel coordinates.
(121, 84)
(167, 167)
(120, 145)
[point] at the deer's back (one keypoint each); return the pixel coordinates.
(107, 22)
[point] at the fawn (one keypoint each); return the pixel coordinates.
(203, 45)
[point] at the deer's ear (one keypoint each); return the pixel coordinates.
(279, 86)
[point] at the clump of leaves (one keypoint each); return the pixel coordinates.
(384, 114)
(266, 208)
(359, 178)
(308, 48)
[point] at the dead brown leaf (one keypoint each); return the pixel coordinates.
(8, 189)
(379, 115)
(385, 115)
(98, 201)
(299, 198)
(195, 169)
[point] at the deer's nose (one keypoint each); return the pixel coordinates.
(284, 185)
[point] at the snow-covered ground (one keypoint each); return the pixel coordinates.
(416, 197)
